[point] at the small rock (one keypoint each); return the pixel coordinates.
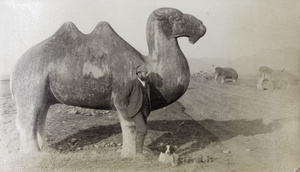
(226, 151)
(119, 144)
(96, 146)
(73, 111)
(64, 122)
(182, 124)
(48, 139)
(205, 159)
(161, 144)
(88, 114)
(93, 113)
(103, 144)
(169, 134)
(248, 150)
(188, 160)
(59, 111)
(73, 140)
(112, 144)
(198, 160)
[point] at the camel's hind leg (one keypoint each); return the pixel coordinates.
(222, 80)
(31, 125)
(41, 125)
(32, 106)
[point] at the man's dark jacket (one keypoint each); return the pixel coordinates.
(132, 97)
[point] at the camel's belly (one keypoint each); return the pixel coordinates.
(84, 91)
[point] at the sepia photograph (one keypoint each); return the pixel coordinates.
(149, 85)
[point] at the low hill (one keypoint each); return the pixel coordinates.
(287, 59)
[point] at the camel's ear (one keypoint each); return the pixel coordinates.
(159, 15)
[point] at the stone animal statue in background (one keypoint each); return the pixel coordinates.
(269, 79)
(90, 70)
(225, 73)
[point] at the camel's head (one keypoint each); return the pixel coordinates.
(176, 24)
(218, 70)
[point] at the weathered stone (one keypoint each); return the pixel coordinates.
(91, 70)
(226, 151)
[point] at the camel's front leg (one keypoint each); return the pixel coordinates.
(222, 80)
(216, 77)
(128, 134)
(259, 82)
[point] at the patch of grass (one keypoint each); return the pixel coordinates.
(168, 125)
(90, 160)
(76, 138)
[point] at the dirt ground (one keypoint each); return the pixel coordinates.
(216, 127)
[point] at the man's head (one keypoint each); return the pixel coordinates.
(142, 72)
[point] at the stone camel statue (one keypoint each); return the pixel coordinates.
(89, 70)
(269, 79)
(224, 73)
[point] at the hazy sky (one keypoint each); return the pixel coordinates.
(234, 27)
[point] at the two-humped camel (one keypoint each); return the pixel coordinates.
(90, 70)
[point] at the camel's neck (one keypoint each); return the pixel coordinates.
(159, 45)
(168, 63)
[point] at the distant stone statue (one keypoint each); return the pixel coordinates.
(269, 79)
(226, 73)
(90, 70)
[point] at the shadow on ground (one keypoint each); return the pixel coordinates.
(188, 135)
(225, 130)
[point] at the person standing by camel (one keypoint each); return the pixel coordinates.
(136, 98)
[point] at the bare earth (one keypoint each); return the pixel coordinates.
(217, 127)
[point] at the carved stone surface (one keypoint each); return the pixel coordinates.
(89, 70)
(269, 79)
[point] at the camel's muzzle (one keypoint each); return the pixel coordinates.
(195, 30)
